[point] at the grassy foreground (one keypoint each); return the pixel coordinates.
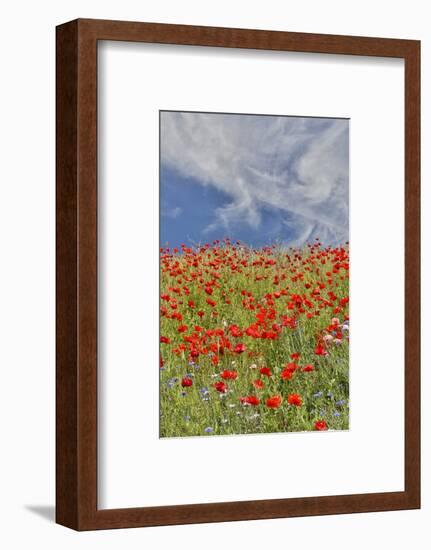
(253, 340)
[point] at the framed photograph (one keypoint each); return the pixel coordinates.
(238, 274)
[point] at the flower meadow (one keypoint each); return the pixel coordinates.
(253, 340)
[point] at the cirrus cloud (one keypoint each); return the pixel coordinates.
(296, 167)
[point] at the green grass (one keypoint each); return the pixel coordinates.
(231, 272)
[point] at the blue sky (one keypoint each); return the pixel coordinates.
(259, 179)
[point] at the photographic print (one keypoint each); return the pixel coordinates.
(254, 274)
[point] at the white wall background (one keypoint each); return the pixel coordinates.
(27, 272)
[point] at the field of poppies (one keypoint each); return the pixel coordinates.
(253, 340)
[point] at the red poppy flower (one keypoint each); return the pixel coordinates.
(273, 402)
(265, 371)
(320, 425)
(250, 400)
(177, 316)
(253, 332)
(182, 328)
(229, 374)
(164, 340)
(292, 367)
(220, 387)
(258, 384)
(308, 368)
(239, 348)
(295, 356)
(286, 374)
(186, 382)
(235, 331)
(294, 399)
(320, 350)
(288, 321)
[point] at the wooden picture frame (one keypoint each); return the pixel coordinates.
(76, 209)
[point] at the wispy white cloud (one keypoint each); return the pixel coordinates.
(172, 212)
(295, 166)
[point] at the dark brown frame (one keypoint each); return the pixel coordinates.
(76, 374)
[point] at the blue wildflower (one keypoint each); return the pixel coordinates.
(171, 382)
